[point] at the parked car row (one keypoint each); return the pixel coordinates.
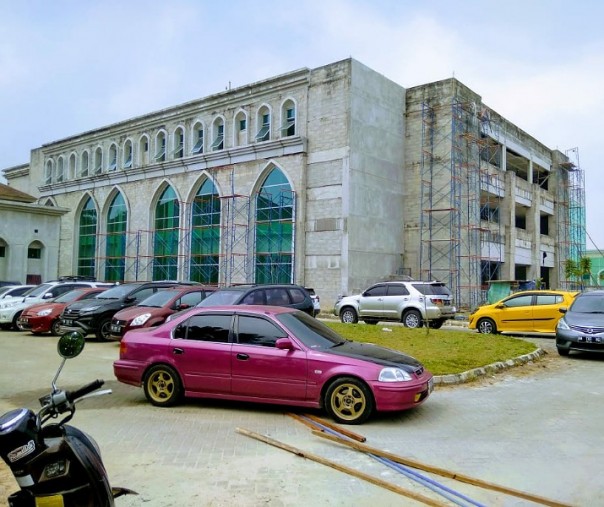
(576, 318)
(110, 310)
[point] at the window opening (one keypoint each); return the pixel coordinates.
(87, 240)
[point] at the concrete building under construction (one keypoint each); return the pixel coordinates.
(334, 177)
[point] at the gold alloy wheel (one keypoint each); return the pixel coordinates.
(348, 402)
(161, 386)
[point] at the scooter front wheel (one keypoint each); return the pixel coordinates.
(162, 385)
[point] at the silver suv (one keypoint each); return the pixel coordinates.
(410, 302)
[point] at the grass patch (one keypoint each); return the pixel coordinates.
(441, 351)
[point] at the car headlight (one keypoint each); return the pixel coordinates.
(10, 304)
(141, 319)
(394, 375)
(44, 313)
(562, 324)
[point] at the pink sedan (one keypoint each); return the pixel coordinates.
(269, 354)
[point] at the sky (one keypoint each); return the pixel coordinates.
(71, 66)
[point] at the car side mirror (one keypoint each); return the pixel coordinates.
(183, 307)
(563, 309)
(284, 344)
(48, 295)
(500, 306)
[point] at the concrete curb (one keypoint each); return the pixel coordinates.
(490, 369)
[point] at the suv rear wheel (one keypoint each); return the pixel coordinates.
(412, 319)
(348, 315)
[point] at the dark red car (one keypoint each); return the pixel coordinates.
(155, 309)
(44, 317)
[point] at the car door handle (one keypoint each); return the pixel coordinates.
(178, 351)
(243, 357)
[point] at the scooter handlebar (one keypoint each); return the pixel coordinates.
(83, 391)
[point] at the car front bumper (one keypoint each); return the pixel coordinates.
(569, 339)
(395, 396)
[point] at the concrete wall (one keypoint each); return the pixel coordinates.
(25, 225)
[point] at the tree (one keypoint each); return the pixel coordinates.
(580, 270)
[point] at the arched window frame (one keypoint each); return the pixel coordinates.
(98, 160)
(144, 145)
(166, 231)
(205, 233)
(263, 124)
(178, 142)
(289, 118)
(112, 163)
(197, 138)
(60, 175)
(116, 228)
(218, 134)
(72, 167)
(128, 154)
(48, 171)
(274, 246)
(240, 128)
(161, 145)
(84, 164)
(87, 233)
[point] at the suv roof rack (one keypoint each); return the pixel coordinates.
(76, 278)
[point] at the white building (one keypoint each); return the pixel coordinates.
(334, 177)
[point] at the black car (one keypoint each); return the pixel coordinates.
(582, 326)
(289, 295)
(94, 315)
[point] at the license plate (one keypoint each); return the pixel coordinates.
(50, 501)
(590, 339)
(68, 322)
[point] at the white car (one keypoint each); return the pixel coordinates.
(9, 291)
(12, 307)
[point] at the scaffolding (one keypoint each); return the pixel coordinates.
(460, 231)
(571, 215)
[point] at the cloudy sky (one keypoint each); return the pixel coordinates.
(71, 66)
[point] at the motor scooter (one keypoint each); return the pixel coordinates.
(55, 464)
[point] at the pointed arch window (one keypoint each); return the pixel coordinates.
(275, 230)
(288, 114)
(115, 250)
(112, 166)
(71, 173)
(87, 240)
(127, 155)
(205, 235)
(60, 169)
(48, 172)
(165, 238)
(84, 165)
(179, 143)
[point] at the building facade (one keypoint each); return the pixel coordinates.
(334, 177)
(29, 236)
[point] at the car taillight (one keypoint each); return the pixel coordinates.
(122, 349)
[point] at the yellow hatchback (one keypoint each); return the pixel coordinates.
(530, 311)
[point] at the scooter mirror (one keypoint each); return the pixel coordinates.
(71, 344)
